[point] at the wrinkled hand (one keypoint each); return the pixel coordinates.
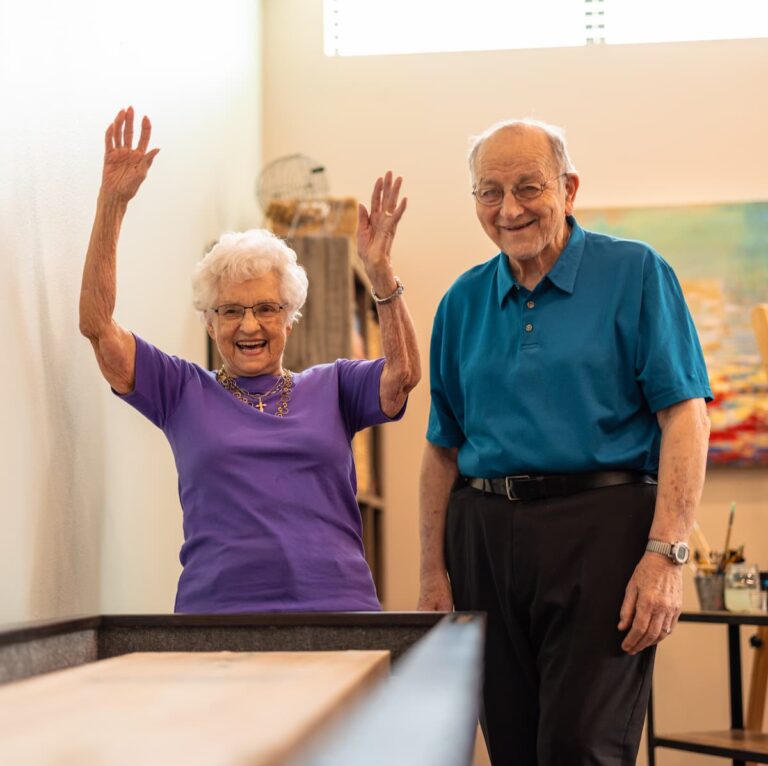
(652, 603)
(376, 230)
(435, 594)
(126, 168)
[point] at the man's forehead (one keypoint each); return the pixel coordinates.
(517, 142)
(516, 147)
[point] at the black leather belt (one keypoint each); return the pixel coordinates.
(526, 487)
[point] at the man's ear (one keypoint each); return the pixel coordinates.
(571, 187)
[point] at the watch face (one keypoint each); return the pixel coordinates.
(681, 553)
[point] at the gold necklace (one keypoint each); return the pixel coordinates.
(284, 385)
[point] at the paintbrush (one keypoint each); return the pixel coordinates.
(705, 546)
(728, 537)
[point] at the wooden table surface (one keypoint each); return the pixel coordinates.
(243, 708)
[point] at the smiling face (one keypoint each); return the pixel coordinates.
(524, 229)
(250, 346)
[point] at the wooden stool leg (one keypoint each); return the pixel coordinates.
(758, 683)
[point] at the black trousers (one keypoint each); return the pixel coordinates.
(551, 574)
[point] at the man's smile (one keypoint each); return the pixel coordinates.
(517, 227)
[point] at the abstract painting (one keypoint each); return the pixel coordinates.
(720, 255)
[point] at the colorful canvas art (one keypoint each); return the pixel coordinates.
(720, 254)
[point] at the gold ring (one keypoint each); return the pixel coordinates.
(667, 630)
(386, 212)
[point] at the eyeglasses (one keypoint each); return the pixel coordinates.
(491, 195)
(263, 312)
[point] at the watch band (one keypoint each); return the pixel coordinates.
(656, 546)
(677, 552)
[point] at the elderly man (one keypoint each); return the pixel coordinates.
(567, 380)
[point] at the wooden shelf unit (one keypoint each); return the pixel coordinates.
(737, 743)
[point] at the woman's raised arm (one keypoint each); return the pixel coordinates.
(125, 168)
(375, 234)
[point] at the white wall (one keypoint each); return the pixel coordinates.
(89, 514)
(647, 125)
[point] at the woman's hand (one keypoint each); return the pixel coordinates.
(376, 232)
(125, 168)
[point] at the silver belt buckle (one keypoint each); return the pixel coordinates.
(509, 481)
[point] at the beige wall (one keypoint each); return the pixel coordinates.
(89, 514)
(655, 124)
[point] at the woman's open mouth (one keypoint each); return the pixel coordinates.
(250, 346)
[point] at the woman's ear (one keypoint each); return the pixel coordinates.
(209, 327)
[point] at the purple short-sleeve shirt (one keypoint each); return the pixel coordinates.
(269, 512)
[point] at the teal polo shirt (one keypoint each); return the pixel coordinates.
(567, 377)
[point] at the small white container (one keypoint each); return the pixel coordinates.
(742, 588)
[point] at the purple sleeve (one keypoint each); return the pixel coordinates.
(359, 393)
(160, 381)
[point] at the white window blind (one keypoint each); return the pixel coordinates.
(377, 27)
(657, 21)
(367, 27)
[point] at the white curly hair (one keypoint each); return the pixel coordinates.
(239, 256)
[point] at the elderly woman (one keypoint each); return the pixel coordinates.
(266, 477)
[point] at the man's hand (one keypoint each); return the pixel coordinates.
(652, 602)
(435, 594)
(439, 470)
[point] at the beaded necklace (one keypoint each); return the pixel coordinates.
(284, 385)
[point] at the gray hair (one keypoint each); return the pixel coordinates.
(555, 135)
(239, 256)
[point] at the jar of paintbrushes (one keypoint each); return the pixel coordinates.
(725, 580)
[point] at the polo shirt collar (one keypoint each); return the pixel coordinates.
(562, 275)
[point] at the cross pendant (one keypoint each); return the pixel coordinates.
(260, 405)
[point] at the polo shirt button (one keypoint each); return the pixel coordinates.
(530, 304)
(529, 327)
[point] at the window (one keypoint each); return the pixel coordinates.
(376, 27)
(659, 21)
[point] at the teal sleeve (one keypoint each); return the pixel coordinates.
(443, 428)
(670, 364)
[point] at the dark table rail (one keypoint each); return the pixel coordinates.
(40, 647)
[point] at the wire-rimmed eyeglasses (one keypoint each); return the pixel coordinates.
(491, 195)
(263, 312)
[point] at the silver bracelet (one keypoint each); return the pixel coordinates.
(398, 292)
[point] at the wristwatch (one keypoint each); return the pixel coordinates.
(677, 553)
